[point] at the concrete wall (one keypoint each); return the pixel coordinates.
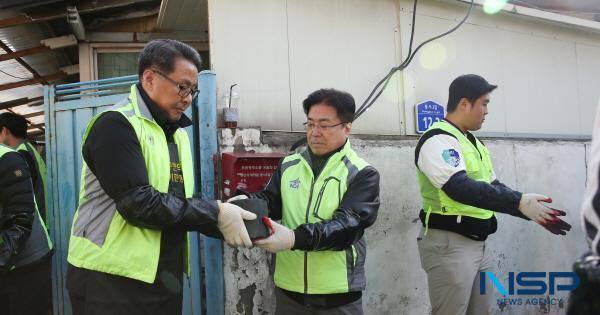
(539, 67)
(396, 284)
(280, 51)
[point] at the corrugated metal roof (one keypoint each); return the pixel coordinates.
(19, 38)
(47, 21)
(25, 109)
(185, 16)
(29, 36)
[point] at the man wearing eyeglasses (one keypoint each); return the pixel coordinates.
(325, 198)
(128, 239)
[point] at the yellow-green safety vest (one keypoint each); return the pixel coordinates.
(478, 165)
(38, 244)
(306, 199)
(101, 239)
(41, 166)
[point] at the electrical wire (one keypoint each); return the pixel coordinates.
(14, 76)
(368, 102)
(382, 84)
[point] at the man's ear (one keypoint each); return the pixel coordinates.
(148, 77)
(347, 128)
(464, 104)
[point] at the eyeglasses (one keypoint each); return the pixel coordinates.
(310, 126)
(183, 90)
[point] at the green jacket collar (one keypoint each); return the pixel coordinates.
(341, 151)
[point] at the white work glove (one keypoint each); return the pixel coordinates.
(231, 224)
(531, 207)
(282, 238)
(239, 197)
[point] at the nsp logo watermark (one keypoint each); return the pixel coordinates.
(531, 283)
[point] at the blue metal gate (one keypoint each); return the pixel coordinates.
(68, 108)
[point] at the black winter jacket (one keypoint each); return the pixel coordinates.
(357, 211)
(17, 207)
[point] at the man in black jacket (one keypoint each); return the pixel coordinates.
(325, 198)
(129, 232)
(13, 133)
(25, 248)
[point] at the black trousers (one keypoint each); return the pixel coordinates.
(27, 290)
(97, 293)
(284, 305)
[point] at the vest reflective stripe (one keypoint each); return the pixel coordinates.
(38, 244)
(478, 167)
(101, 239)
(309, 200)
(41, 166)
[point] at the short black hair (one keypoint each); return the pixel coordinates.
(343, 102)
(161, 53)
(16, 124)
(469, 86)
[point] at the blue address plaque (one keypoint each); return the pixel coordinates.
(427, 113)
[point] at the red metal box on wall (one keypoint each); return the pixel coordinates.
(247, 171)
